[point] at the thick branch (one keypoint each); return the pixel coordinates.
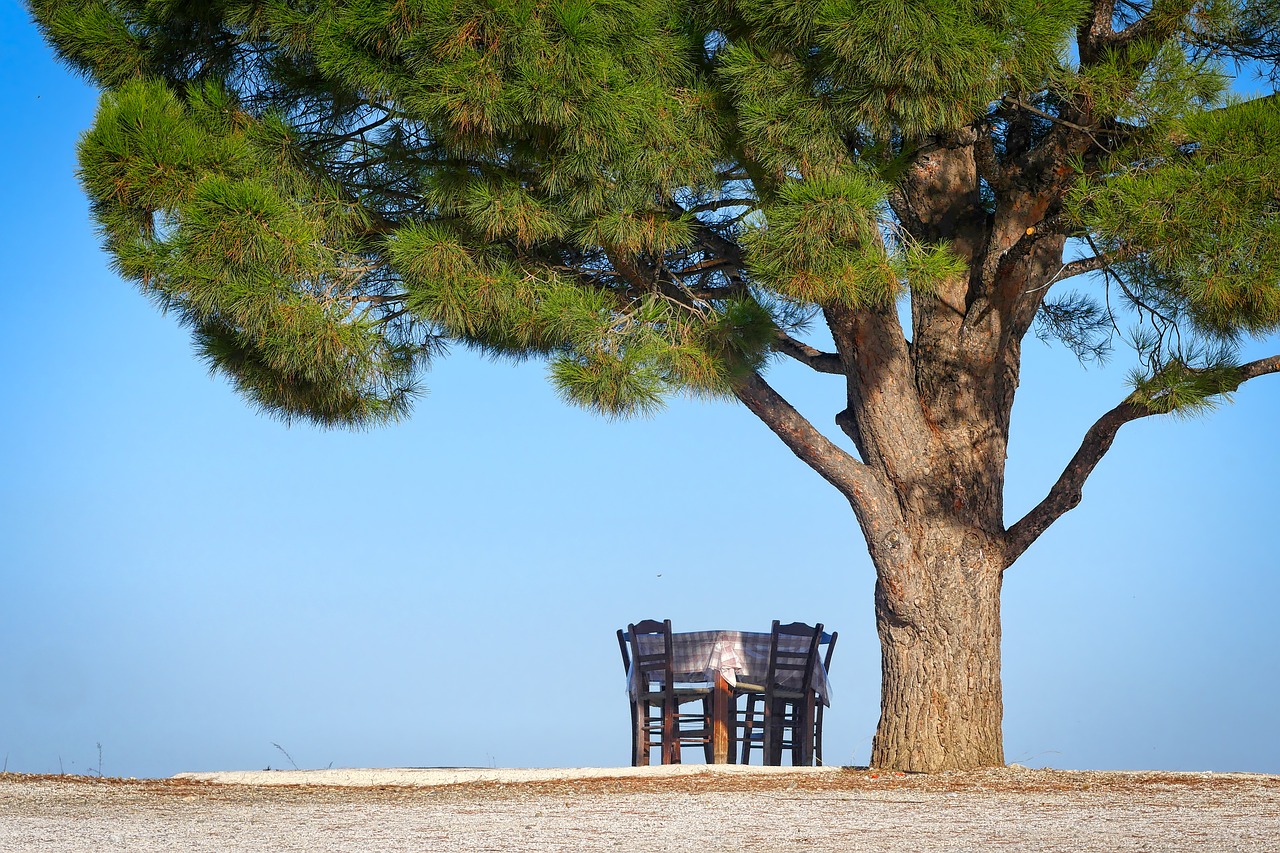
(1067, 491)
(984, 156)
(853, 479)
(705, 266)
(1261, 367)
(1097, 25)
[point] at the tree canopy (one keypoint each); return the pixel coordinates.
(662, 196)
(651, 195)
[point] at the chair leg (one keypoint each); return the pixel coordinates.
(774, 717)
(786, 731)
(670, 734)
(787, 726)
(748, 726)
(635, 734)
(642, 738)
(802, 754)
(732, 725)
(817, 734)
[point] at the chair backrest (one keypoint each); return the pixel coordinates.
(622, 647)
(831, 647)
(655, 666)
(794, 661)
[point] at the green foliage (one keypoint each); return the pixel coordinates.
(1166, 86)
(509, 211)
(1079, 322)
(641, 192)
(785, 122)
(651, 350)
(1238, 31)
(264, 262)
(1201, 217)
(887, 66)
(1180, 389)
(614, 384)
(349, 375)
(488, 299)
(637, 232)
(823, 243)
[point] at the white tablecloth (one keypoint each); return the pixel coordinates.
(698, 655)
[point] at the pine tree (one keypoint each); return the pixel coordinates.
(665, 196)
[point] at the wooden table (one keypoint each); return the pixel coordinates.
(720, 659)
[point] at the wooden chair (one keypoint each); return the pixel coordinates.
(787, 718)
(656, 700)
(830, 641)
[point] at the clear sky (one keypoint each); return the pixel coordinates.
(187, 583)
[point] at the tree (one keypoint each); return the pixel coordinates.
(664, 196)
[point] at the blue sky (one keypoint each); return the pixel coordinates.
(188, 583)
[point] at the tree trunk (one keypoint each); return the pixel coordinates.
(938, 616)
(929, 416)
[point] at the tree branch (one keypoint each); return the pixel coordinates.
(717, 204)
(705, 266)
(984, 155)
(823, 362)
(1036, 111)
(330, 139)
(852, 478)
(1095, 30)
(1066, 492)
(1086, 265)
(1157, 25)
(1261, 367)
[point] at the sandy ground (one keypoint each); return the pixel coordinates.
(664, 809)
(421, 777)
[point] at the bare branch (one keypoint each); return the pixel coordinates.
(705, 266)
(393, 316)
(375, 298)
(1261, 367)
(330, 139)
(839, 468)
(1035, 111)
(719, 203)
(1084, 265)
(1066, 492)
(823, 362)
(1087, 265)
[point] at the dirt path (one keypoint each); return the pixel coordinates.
(1014, 809)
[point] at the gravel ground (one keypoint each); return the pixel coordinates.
(1008, 809)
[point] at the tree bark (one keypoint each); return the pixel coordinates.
(938, 617)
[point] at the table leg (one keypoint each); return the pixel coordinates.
(721, 719)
